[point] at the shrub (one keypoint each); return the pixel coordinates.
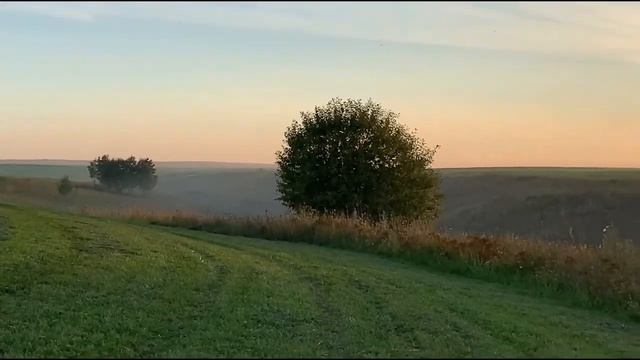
(65, 186)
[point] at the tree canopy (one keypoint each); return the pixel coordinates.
(122, 174)
(354, 157)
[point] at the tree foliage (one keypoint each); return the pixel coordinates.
(122, 174)
(354, 157)
(65, 186)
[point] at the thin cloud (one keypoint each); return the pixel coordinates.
(601, 30)
(84, 12)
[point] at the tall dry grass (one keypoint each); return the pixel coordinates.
(607, 275)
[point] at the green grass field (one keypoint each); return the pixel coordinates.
(78, 286)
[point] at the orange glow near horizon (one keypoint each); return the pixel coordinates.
(199, 82)
(467, 139)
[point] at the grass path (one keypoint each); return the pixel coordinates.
(74, 286)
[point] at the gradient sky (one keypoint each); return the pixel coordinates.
(495, 84)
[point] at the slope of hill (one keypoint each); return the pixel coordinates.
(560, 204)
(553, 204)
(44, 193)
(80, 286)
(164, 164)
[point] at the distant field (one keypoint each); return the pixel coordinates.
(549, 203)
(562, 204)
(43, 192)
(552, 172)
(75, 172)
(75, 286)
(78, 170)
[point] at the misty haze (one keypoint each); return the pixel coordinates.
(319, 180)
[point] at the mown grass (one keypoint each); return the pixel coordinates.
(606, 277)
(76, 286)
(4, 228)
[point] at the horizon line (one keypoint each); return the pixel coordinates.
(273, 164)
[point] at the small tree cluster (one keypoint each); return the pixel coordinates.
(122, 174)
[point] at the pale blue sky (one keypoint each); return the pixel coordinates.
(494, 84)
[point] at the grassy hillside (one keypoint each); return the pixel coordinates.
(213, 189)
(80, 286)
(44, 193)
(559, 204)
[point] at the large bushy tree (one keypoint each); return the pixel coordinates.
(122, 174)
(354, 157)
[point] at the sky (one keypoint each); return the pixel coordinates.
(494, 84)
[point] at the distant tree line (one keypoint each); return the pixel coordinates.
(123, 174)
